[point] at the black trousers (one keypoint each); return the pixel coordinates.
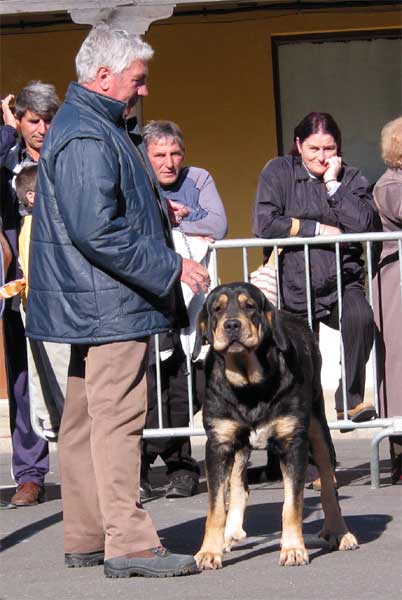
(357, 329)
(174, 451)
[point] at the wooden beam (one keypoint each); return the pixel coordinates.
(42, 6)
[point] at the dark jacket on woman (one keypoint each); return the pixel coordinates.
(101, 269)
(8, 138)
(285, 191)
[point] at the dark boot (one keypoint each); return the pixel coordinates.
(146, 491)
(395, 446)
(182, 485)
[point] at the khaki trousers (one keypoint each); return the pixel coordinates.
(100, 450)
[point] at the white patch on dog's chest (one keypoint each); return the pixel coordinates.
(258, 437)
(282, 428)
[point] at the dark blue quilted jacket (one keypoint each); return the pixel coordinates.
(100, 266)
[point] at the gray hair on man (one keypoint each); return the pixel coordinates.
(40, 98)
(112, 48)
(154, 131)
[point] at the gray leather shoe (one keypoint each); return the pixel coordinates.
(155, 562)
(84, 559)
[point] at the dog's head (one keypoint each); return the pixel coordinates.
(237, 317)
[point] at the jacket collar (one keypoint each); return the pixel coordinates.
(107, 107)
(300, 170)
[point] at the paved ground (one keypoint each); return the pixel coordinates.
(32, 568)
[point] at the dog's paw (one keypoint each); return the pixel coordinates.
(348, 542)
(340, 541)
(208, 560)
(232, 537)
(293, 557)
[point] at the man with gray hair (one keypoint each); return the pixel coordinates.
(194, 189)
(35, 106)
(103, 278)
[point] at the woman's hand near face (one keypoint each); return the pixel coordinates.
(334, 165)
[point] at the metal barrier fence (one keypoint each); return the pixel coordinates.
(389, 426)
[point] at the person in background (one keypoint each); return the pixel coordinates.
(313, 192)
(387, 301)
(47, 363)
(35, 106)
(8, 128)
(192, 192)
(103, 278)
(8, 137)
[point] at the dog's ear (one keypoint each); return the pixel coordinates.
(201, 334)
(268, 306)
(280, 337)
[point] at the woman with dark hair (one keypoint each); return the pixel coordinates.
(312, 192)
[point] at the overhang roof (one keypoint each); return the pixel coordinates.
(136, 15)
(42, 6)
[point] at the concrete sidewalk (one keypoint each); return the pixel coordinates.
(32, 543)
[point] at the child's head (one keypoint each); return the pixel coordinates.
(25, 185)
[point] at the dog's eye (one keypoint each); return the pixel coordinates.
(249, 306)
(217, 308)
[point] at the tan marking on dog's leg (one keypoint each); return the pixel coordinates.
(293, 551)
(238, 501)
(284, 427)
(210, 554)
(225, 430)
(335, 530)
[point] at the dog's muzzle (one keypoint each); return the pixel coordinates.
(232, 328)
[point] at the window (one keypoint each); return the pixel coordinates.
(357, 77)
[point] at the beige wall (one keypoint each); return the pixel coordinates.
(214, 79)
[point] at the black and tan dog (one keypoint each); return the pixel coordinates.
(263, 385)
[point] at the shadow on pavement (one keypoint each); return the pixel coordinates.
(22, 534)
(263, 527)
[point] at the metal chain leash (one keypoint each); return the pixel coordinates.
(185, 238)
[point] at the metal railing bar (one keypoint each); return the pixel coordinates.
(214, 267)
(277, 267)
(308, 285)
(275, 243)
(342, 348)
(189, 376)
(344, 238)
(245, 264)
(371, 301)
(185, 431)
(158, 381)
